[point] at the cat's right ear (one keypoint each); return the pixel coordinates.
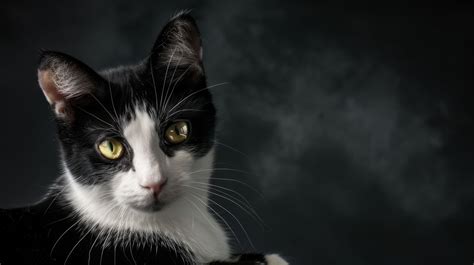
(64, 81)
(179, 45)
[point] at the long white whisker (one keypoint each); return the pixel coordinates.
(103, 246)
(243, 200)
(102, 105)
(113, 103)
(167, 97)
(203, 215)
(74, 247)
(52, 249)
(54, 199)
(174, 86)
(240, 182)
(62, 219)
(164, 80)
(220, 217)
(221, 187)
(231, 200)
(154, 84)
(231, 148)
(236, 219)
(194, 93)
(131, 254)
(112, 127)
(90, 250)
(179, 111)
(228, 179)
(115, 253)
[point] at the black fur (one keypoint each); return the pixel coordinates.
(29, 234)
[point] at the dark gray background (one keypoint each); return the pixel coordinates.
(355, 122)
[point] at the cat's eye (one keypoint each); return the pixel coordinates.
(177, 132)
(111, 148)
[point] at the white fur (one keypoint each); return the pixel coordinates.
(144, 140)
(275, 259)
(120, 204)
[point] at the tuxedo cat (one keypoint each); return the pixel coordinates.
(136, 148)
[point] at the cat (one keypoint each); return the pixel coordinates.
(136, 149)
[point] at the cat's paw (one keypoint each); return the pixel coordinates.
(275, 259)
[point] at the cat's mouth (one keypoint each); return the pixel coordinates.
(156, 206)
(152, 202)
(153, 206)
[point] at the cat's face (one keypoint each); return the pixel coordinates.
(137, 137)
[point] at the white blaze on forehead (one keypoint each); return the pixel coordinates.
(142, 136)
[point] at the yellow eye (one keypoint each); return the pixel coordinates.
(177, 133)
(111, 149)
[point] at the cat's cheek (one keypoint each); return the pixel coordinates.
(181, 163)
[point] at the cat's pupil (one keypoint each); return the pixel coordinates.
(111, 146)
(176, 129)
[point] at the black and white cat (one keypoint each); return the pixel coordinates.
(136, 145)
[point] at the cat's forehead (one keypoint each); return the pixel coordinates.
(124, 74)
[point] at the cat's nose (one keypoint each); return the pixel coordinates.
(155, 187)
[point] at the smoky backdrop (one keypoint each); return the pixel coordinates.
(353, 123)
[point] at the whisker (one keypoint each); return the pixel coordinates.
(174, 86)
(67, 230)
(131, 254)
(164, 80)
(54, 199)
(74, 247)
(194, 93)
(178, 111)
(62, 219)
(90, 250)
(102, 105)
(203, 215)
(240, 182)
(231, 148)
(115, 254)
(220, 217)
(169, 85)
(103, 246)
(154, 84)
(236, 219)
(112, 100)
(228, 179)
(232, 201)
(245, 202)
(96, 117)
(221, 187)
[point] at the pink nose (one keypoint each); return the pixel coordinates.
(155, 187)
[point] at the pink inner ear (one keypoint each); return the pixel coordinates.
(50, 90)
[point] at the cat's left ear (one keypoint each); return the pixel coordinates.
(179, 45)
(65, 82)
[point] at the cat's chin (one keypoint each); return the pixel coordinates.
(153, 205)
(156, 206)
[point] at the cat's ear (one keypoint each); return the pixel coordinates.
(65, 80)
(179, 44)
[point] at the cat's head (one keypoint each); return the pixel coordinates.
(135, 137)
